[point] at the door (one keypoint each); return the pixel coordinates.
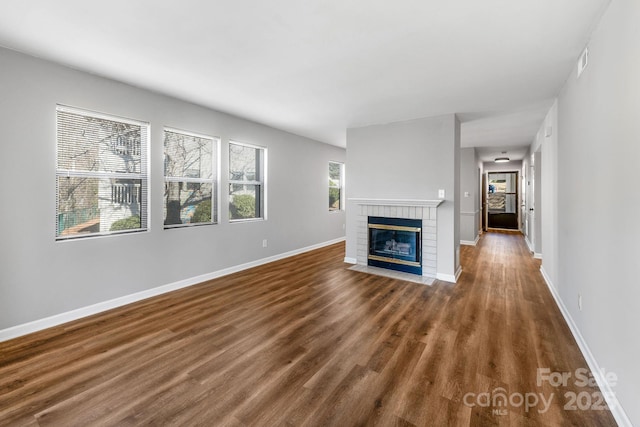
(534, 211)
(502, 200)
(483, 212)
(530, 209)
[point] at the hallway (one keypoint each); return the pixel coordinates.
(507, 328)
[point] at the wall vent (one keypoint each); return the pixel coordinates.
(583, 61)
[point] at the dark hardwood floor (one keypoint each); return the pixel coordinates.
(305, 341)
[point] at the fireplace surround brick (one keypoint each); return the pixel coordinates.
(426, 210)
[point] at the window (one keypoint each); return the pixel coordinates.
(101, 174)
(335, 186)
(246, 181)
(190, 175)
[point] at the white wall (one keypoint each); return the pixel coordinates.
(469, 205)
(409, 160)
(40, 277)
(598, 199)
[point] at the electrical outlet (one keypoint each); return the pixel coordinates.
(441, 194)
(264, 243)
(344, 226)
(580, 302)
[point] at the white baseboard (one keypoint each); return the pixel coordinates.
(470, 242)
(529, 245)
(451, 278)
(536, 255)
(612, 401)
(58, 319)
(350, 260)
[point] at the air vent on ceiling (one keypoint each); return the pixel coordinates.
(583, 61)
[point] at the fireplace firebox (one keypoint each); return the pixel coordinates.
(395, 243)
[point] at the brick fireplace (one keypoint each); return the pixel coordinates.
(424, 210)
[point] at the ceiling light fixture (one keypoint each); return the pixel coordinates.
(501, 159)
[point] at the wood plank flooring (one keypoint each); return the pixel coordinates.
(307, 342)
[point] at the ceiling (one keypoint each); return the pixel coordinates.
(316, 68)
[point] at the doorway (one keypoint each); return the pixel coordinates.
(502, 200)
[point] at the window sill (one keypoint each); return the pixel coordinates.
(94, 236)
(178, 226)
(243, 220)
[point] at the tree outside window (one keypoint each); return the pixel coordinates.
(335, 186)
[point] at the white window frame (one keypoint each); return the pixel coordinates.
(340, 187)
(143, 176)
(262, 182)
(214, 180)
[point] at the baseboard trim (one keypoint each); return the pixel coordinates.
(529, 245)
(451, 278)
(59, 319)
(350, 260)
(612, 401)
(470, 242)
(537, 255)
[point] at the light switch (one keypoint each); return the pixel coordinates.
(441, 194)
(466, 194)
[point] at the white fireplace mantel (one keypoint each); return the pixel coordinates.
(397, 202)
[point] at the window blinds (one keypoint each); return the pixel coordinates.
(101, 174)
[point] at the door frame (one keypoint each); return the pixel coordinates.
(483, 197)
(485, 208)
